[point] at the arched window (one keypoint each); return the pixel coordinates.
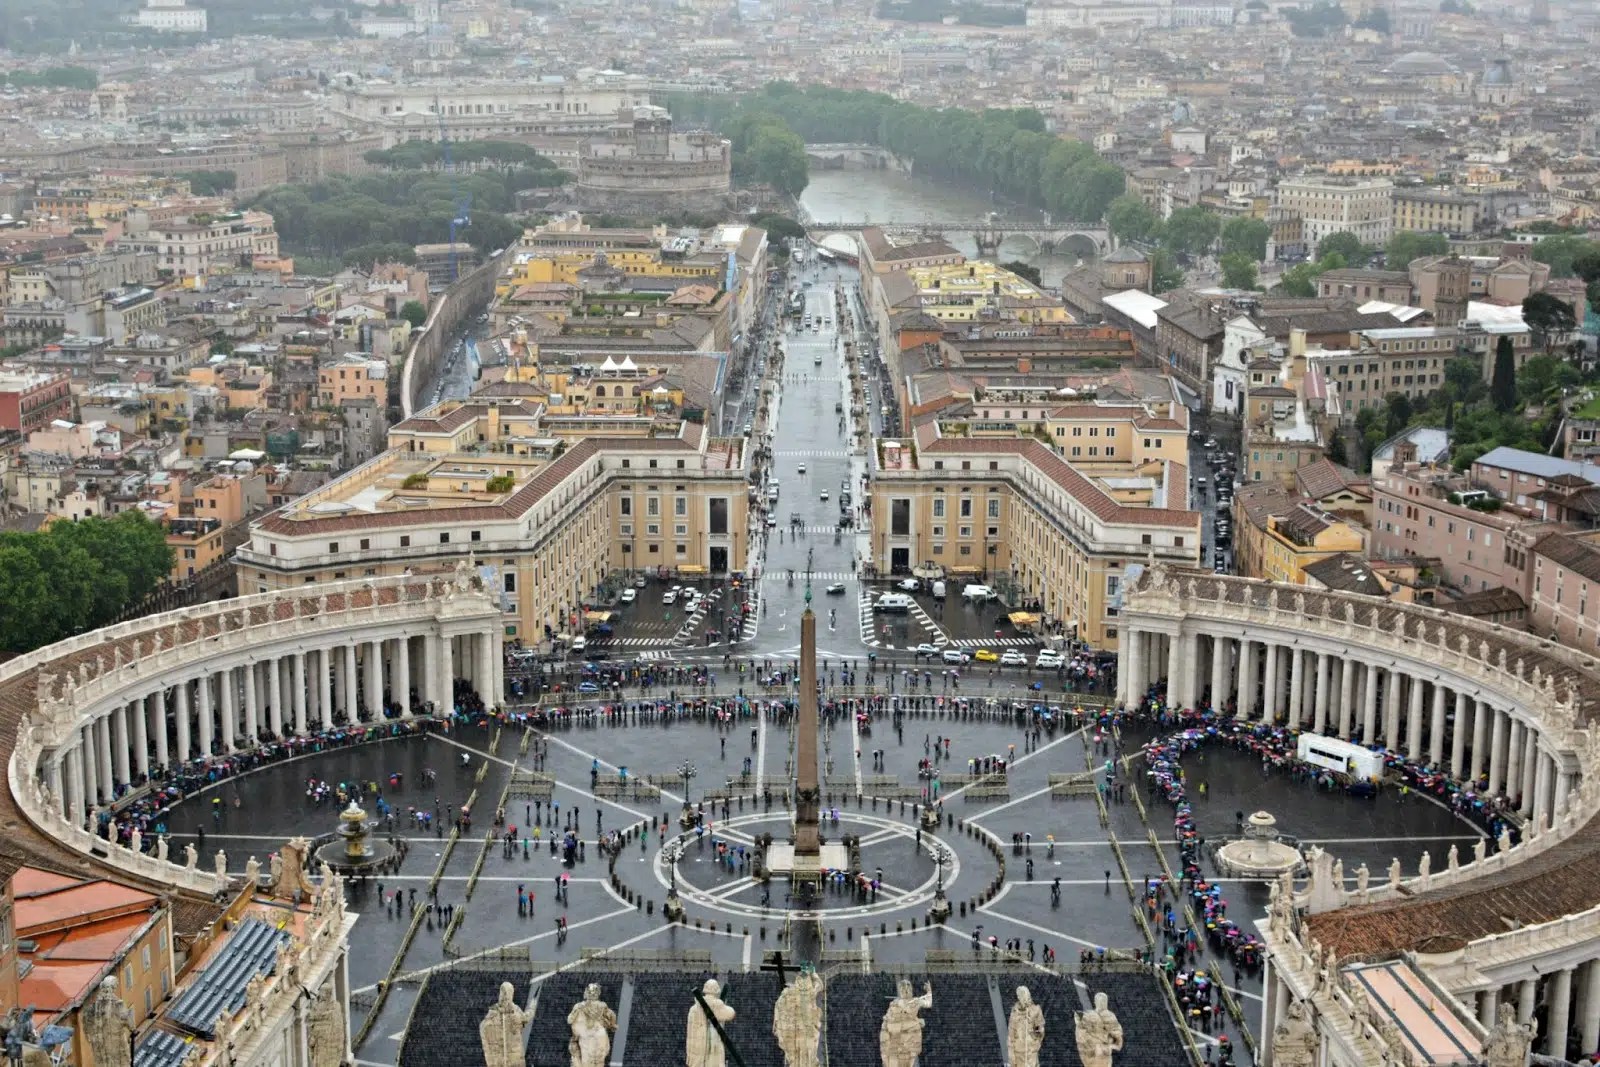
(599, 391)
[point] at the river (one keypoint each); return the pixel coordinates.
(890, 196)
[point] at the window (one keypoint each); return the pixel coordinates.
(477, 535)
(405, 540)
(652, 506)
(680, 506)
(333, 546)
(444, 539)
(938, 507)
(510, 583)
(652, 529)
(681, 529)
(683, 550)
(966, 508)
(994, 509)
(145, 959)
(965, 531)
(627, 505)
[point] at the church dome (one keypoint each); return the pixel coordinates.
(1420, 63)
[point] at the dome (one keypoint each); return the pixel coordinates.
(1182, 113)
(1499, 73)
(1420, 63)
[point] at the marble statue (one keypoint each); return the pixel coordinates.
(1452, 859)
(501, 1030)
(703, 1046)
(106, 1026)
(1294, 1039)
(220, 861)
(900, 1035)
(161, 848)
(1425, 868)
(591, 1021)
(190, 857)
(463, 576)
(136, 841)
(1504, 841)
(1363, 877)
(289, 869)
(1394, 871)
(1099, 1034)
(1509, 1041)
(1024, 1030)
(328, 1038)
(1480, 849)
(797, 1020)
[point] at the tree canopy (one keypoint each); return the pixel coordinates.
(1238, 270)
(1346, 245)
(75, 576)
(1006, 150)
(1301, 279)
(209, 182)
(53, 78)
(1549, 318)
(1247, 235)
(767, 152)
(1131, 219)
(1408, 245)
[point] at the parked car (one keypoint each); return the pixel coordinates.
(1012, 658)
(955, 655)
(980, 593)
(893, 602)
(670, 596)
(629, 596)
(925, 649)
(910, 585)
(1048, 659)
(640, 582)
(984, 655)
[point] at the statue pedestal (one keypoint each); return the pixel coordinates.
(930, 819)
(939, 910)
(672, 910)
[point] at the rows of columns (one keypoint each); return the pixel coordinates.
(1423, 719)
(1566, 999)
(224, 710)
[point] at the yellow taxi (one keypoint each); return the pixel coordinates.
(983, 655)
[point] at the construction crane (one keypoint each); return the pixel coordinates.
(461, 212)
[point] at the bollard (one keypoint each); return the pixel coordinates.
(763, 933)
(650, 908)
(899, 927)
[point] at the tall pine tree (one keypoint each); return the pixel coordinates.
(1503, 386)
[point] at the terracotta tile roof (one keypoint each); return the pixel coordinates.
(1579, 556)
(1324, 478)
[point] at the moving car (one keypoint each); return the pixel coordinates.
(824, 495)
(629, 596)
(801, 468)
(925, 649)
(979, 593)
(955, 655)
(670, 596)
(910, 585)
(985, 656)
(836, 589)
(772, 520)
(640, 582)
(579, 643)
(1048, 658)
(893, 602)
(1012, 658)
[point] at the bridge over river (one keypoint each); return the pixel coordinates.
(987, 234)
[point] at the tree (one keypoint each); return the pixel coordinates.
(1165, 274)
(1191, 230)
(1238, 270)
(1397, 413)
(1549, 318)
(209, 182)
(1301, 279)
(1503, 386)
(1408, 245)
(1344, 244)
(1336, 450)
(415, 313)
(780, 227)
(1131, 219)
(1563, 251)
(1247, 235)
(777, 157)
(1025, 271)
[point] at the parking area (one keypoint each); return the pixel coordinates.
(670, 612)
(949, 620)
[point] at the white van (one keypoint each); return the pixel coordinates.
(579, 643)
(980, 593)
(893, 602)
(938, 590)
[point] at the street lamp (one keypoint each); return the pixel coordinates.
(941, 859)
(686, 771)
(673, 853)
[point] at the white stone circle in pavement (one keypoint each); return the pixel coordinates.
(719, 897)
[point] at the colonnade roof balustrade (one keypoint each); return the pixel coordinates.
(47, 694)
(1554, 688)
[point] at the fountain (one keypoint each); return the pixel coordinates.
(1259, 853)
(352, 849)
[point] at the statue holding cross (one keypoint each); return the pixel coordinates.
(797, 1018)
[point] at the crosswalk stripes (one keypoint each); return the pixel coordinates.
(808, 453)
(816, 576)
(996, 642)
(640, 642)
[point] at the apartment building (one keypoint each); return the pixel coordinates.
(1326, 205)
(195, 245)
(1564, 591)
(351, 378)
(546, 520)
(31, 400)
(1431, 211)
(1411, 360)
(1011, 511)
(1291, 542)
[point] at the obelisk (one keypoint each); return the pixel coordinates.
(807, 876)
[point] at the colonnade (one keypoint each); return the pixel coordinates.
(234, 702)
(1570, 998)
(1354, 694)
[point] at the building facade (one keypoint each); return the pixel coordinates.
(1327, 205)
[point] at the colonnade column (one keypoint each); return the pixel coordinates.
(1436, 728)
(1527, 999)
(72, 784)
(352, 684)
(1393, 686)
(325, 686)
(1540, 805)
(1319, 722)
(1247, 678)
(374, 702)
(185, 749)
(1347, 696)
(230, 708)
(1590, 1038)
(402, 682)
(1497, 752)
(486, 670)
(1297, 682)
(141, 710)
(1481, 715)
(1558, 996)
(444, 676)
(1369, 706)
(252, 702)
(104, 776)
(1219, 654)
(1175, 672)
(275, 696)
(1458, 740)
(119, 744)
(1269, 692)
(90, 758)
(158, 724)
(207, 726)
(1530, 769)
(298, 687)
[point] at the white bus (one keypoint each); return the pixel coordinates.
(1330, 753)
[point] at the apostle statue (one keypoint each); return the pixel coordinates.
(703, 1046)
(328, 1033)
(1099, 1034)
(1025, 1030)
(591, 1022)
(900, 1036)
(1509, 1041)
(1294, 1040)
(797, 1020)
(106, 1026)
(501, 1030)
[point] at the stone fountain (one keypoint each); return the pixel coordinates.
(1259, 853)
(353, 848)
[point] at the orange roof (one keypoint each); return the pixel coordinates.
(73, 904)
(103, 940)
(51, 987)
(30, 880)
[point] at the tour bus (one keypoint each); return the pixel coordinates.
(1361, 764)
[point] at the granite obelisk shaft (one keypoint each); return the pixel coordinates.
(808, 786)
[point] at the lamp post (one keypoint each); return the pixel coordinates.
(939, 911)
(686, 771)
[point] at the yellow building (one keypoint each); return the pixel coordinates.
(977, 289)
(1433, 211)
(355, 377)
(1011, 513)
(1303, 536)
(196, 544)
(242, 385)
(551, 519)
